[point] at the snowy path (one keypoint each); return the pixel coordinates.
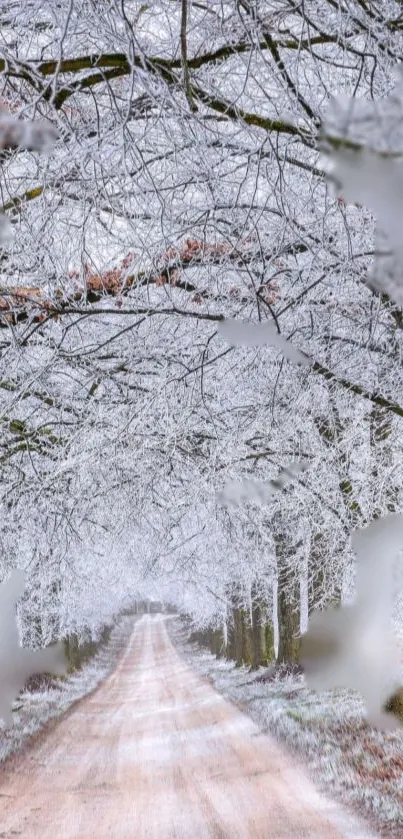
(156, 753)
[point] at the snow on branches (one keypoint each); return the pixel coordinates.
(169, 227)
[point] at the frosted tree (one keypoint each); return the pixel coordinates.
(187, 187)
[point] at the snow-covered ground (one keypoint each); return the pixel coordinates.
(156, 752)
(32, 711)
(345, 756)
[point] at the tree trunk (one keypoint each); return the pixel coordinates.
(315, 574)
(238, 635)
(288, 597)
(230, 651)
(259, 649)
(247, 640)
(217, 642)
(269, 641)
(288, 627)
(72, 654)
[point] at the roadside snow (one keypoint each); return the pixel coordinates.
(35, 710)
(348, 759)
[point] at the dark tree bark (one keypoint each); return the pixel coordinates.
(217, 642)
(269, 641)
(238, 635)
(288, 625)
(259, 650)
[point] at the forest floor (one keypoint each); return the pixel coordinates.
(35, 710)
(155, 752)
(349, 759)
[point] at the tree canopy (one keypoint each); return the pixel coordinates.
(184, 180)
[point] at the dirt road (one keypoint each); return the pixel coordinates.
(156, 753)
